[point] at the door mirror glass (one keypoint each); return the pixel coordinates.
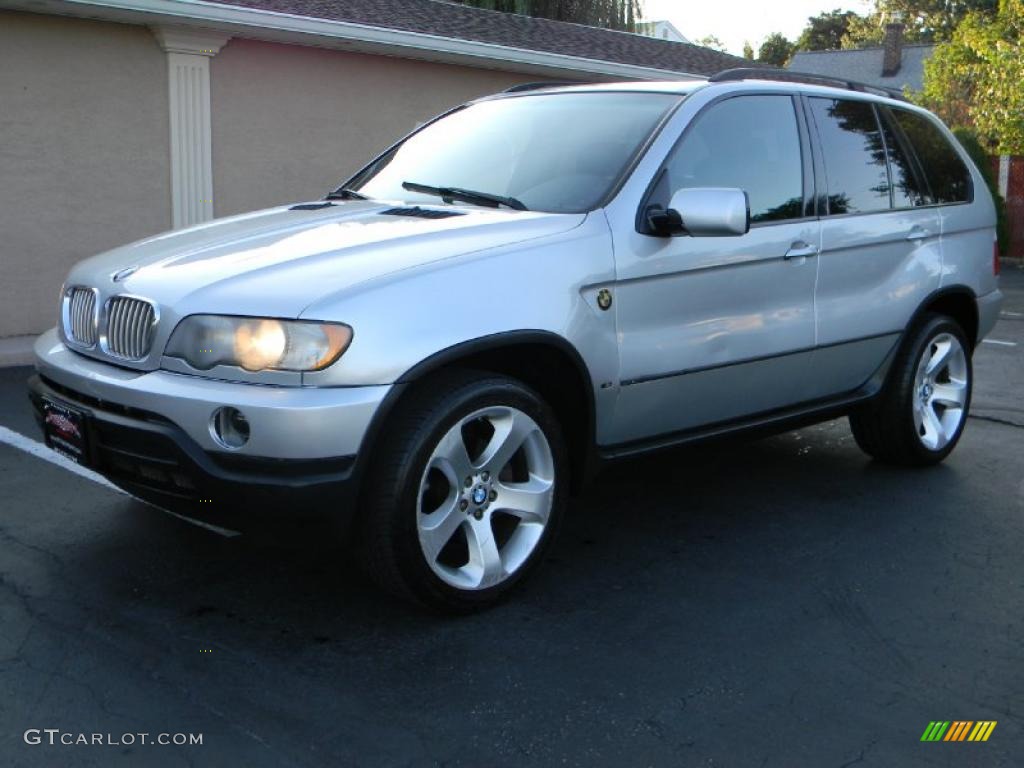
(708, 212)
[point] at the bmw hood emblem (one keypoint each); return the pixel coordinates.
(123, 274)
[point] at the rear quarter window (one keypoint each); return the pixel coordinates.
(947, 174)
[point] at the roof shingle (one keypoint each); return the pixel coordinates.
(865, 65)
(453, 20)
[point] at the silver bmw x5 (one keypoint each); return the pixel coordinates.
(531, 285)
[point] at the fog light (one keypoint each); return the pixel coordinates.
(229, 427)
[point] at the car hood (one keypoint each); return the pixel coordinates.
(279, 261)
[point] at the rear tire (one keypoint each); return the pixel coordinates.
(919, 416)
(465, 493)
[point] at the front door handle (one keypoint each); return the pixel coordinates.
(918, 233)
(800, 249)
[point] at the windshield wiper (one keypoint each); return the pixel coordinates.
(346, 194)
(448, 194)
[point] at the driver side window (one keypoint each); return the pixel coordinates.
(747, 142)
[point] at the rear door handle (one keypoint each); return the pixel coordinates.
(799, 250)
(918, 233)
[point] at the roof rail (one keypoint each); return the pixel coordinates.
(537, 86)
(809, 78)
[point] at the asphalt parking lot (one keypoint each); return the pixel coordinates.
(778, 603)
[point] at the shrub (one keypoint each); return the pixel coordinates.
(969, 141)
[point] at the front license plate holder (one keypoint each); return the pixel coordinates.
(66, 430)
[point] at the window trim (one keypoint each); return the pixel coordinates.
(806, 164)
(817, 158)
(885, 153)
(810, 174)
(824, 212)
(888, 121)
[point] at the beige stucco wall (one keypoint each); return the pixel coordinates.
(83, 153)
(291, 123)
(84, 158)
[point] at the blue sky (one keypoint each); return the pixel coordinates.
(733, 21)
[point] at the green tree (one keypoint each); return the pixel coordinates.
(775, 50)
(710, 41)
(825, 32)
(969, 141)
(748, 50)
(977, 78)
(611, 14)
(926, 21)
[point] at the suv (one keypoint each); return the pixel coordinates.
(528, 286)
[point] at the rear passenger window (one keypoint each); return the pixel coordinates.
(746, 142)
(908, 188)
(946, 173)
(855, 162)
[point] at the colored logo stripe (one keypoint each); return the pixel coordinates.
(935, 730)
(958, 730)
(982, 730)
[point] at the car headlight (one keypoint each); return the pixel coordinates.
(257, 343)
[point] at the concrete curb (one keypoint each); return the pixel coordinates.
(16, 350)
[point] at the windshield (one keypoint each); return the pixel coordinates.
(560, 153)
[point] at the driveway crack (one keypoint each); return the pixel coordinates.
(996, 420)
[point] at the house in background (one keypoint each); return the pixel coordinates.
(123, 118)
(662, 30)
(893, 65)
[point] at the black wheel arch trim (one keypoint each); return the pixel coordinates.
(466, 349)
(958, 289)
(493, 342)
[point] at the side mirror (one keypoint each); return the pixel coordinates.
(704, 212)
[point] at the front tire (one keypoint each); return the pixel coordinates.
(918, 418)
(465, 493)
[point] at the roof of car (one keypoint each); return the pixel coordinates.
(639, 86)
(685, 87)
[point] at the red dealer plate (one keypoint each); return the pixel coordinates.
(64, 430)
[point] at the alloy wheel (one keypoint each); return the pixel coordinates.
(940, 391)
(485, 497)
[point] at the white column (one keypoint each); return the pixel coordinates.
(1004, 175)
(188, 79)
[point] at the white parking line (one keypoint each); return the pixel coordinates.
(1000, 343)
(41, 451)
(1006, 313)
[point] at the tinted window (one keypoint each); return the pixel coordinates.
(855, 164)
(946, 173)
(908, 189)
(748, 142)
(554, 152)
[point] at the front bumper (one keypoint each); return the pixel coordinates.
(285, 422)
(150, 433)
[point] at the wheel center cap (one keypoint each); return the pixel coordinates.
(926, 391)
(479, 495)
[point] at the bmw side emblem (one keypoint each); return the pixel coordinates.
(604, 298)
